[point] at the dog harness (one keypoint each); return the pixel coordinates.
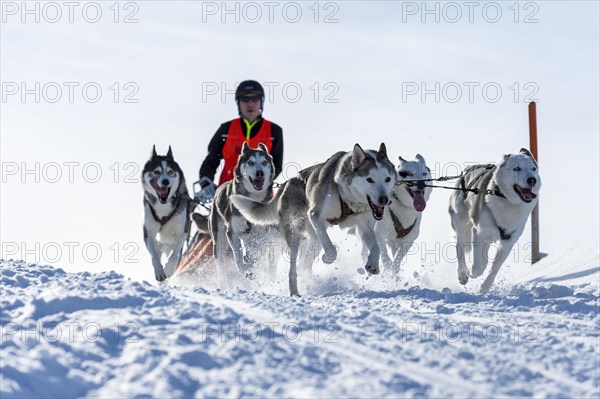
(234, 141)
(401, 231)
(165, 219)
(346, 211)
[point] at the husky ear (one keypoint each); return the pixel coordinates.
(401, 159)
(382, 150)
(263, 147)
(245, 146)
(358, 155)
(420, 158)
(170, 154)
(525, 151)
(154, 154)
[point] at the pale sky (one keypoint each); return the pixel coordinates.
(454, 90)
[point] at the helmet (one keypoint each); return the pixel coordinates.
(249, 86)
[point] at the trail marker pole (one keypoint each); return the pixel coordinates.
(535, 215)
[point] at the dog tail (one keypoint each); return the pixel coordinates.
(259, 213)
(201, 222)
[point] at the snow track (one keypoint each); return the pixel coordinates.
(104, 336)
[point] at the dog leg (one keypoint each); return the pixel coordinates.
(220, 246)
(293, 241)
(175, 256)
(501, 256)
(480, 253)
(461, 242)
(367, 234)
(383, 247)
(159, 272)
(330, 254)
(236, 246)
(399, 254)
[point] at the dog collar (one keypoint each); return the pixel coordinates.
(401, 231)
(497, 192)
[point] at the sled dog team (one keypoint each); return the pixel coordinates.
(361, 190)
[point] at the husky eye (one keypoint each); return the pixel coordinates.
(264, 163)
(156, 172)
(534, 168)
(370, 180)
(251, 163)
(388, 179)
(424, 173)
(171, 173)
(517, 169)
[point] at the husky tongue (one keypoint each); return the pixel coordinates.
(258, 183)
(419, 202)
(527, 194)
(163, 192)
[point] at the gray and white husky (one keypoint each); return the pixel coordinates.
(167, 207)
(350, 189)
(400, 225)
(253, 178)
(480, 220)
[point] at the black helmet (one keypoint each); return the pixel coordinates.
(249, 86)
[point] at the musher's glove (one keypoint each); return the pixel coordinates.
(204, 190)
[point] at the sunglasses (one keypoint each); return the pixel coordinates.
(250, 99)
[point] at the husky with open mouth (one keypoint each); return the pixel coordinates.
(508, 192)
(401, 223)
(253, 178)
(167, 208)
(350, 189)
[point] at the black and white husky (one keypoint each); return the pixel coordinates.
(400, 226)
(253, 178)
(167, 208)
(350, 189)
(480, 220)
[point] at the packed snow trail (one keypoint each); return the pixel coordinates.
(101, 335)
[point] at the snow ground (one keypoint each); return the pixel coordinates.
(100, 335)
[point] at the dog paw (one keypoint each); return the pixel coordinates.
(330, 255)
(372, 269)
(160, 277)
(250, 276)
(485, 288)
(463, 278)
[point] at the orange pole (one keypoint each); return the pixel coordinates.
(535, 215)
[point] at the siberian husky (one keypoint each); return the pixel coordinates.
(350, 189)
(508, 192)
(400, 225)
(167, 208)
(253, 178)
